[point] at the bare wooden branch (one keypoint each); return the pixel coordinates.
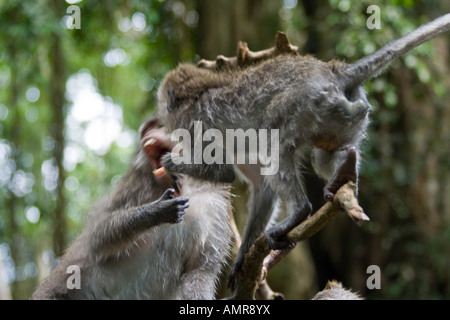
(264, 291)
(246, 57)
(255, 267)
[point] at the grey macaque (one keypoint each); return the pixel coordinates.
(318, 107)
(334, 290)
(138, 243)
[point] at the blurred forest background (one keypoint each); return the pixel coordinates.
(71, 101)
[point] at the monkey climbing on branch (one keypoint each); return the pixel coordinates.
(318, 107)
(146, 240)
(260, 258)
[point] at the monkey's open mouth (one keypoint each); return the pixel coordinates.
(156, 143)
(155, 149)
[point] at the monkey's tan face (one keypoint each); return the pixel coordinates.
(156, 142)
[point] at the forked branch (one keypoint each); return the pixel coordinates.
(246, 57)
(260, 259)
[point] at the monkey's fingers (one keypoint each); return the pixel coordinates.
(180, 216)
(168, 194)
(182, 201)
(278, 243)
(183, 206)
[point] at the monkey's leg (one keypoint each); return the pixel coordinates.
(288, 185)
(338, 167)
(298, 213)
(198, 284)
(211, 172)
(347, 170)
(261, 206)
(111, 232)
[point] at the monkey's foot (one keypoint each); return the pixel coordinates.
(276, 242)
(273, 244)
(345, 173)
(275, 236)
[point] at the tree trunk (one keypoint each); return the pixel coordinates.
(57, 89)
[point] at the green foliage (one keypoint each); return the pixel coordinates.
(28, 169)
(125, 47)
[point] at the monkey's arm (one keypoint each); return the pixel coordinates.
(111, 232)
(224, 173)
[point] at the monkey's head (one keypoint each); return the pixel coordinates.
(155, 142)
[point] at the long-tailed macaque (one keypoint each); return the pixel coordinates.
(142, 241)
(318, 107)
(334, 290)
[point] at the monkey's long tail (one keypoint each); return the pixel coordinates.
(368, 67)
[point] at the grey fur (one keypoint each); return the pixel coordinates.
(135, 246)
(371, 65)
(305, 89)
(335, 291)
(319, 108)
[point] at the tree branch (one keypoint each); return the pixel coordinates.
(246, 57)
(264, 291)
(256, 265)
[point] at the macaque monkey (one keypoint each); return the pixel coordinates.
(319, 108)
(335, 291)
(146, 240)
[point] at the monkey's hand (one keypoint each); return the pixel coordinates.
(346, 172)
(170, 209)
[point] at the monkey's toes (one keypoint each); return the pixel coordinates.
(329, 196)
(278, 243)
